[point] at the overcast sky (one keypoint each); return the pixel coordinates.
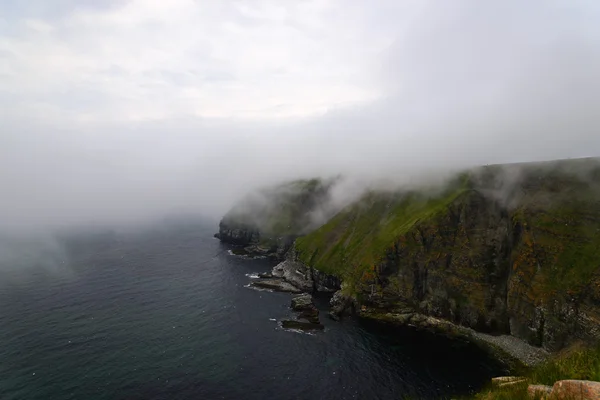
(125, 110)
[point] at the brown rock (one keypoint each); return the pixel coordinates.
(576, 390)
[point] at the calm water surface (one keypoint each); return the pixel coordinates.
(165, 314)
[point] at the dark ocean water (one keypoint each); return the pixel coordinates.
(165, 314)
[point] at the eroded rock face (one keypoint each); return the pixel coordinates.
(424, 270)
(302, 302)
(486, 267)
(237, 234)
(341, 305)
(277, 285)
(509, 249)
(576, 390)
(304, 277)
(305, 305)
(295, 273)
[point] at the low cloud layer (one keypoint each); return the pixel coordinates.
(139, 109)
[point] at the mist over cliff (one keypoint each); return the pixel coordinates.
(399, 92)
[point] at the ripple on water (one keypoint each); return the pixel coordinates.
(167, 314)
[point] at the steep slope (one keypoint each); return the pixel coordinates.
(505, 249)
(267, 221)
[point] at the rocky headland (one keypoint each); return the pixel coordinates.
(506, 256)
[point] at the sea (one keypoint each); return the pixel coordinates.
(165, 312)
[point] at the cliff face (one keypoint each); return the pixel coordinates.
(505, 249)
(268, 221)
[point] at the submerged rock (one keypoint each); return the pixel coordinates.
(305, 326)
(265, 275)
(277, 285)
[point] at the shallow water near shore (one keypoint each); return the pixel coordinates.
(166, 314)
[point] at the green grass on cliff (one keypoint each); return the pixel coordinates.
(561, 234)
(354, 240)
(556, 205)
(581, 364)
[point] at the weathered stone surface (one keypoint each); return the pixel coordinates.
(303, 277)
(302, 302)
(305, 326)
(539, 392)
(308, 311)
(277, 285)
(295, 273)
(500, 380)
(257, 250)
(575, 390)
(340, 305)
(512, 250)
(238, 234)
(514, 384)
(310, 314)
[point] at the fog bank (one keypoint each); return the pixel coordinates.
(450, 86)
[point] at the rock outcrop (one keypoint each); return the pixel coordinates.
(304, 277)
(266, 222)
(306, 307)
(341, 305)
(307, 317)
(506, 250)
(510, 250)
(515, 386)
(277, 285)
(575, 390)
(539, 391)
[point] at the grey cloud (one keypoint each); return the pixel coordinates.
(479, 83)
(54, 9)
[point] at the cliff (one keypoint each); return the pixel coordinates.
(267, 221)
(512, 249)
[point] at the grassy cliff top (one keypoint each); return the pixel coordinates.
(556, 205)
(355, 238)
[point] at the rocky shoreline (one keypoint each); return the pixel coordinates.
(294, 277)
(513, 352)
